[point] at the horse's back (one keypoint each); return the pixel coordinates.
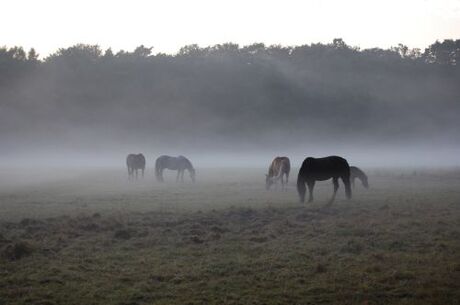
(330, 161)
(173, 163)
(163, 157)
(326, 167)
(279, 164)
(135, 161)
(285, 163)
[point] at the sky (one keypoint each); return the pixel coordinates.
(167, 25)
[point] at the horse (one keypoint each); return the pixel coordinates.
(280, 167)
(320, 169)
(356, 172)
(179, 163)
(134, 163)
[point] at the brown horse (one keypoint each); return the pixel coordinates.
(280, 167)
(134, 163)
(320, 169)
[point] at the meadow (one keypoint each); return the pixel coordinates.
(90, 236)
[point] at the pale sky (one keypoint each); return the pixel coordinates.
(170, 24)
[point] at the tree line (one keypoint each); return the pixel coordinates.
(228, 92)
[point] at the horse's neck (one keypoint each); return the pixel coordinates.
(360, 174)
(188, 166)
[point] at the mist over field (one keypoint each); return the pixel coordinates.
(229, 104)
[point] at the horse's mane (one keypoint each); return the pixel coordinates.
(358, 172)
(187, 161)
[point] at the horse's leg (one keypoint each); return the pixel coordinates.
(177, 177)
(353, 182)
(335, 181)
(311, 185)
(346, 182)
(143, 172)
(136, 173)
(182, 175)
(282, 183)
(301, 189)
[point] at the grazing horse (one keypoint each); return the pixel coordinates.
(320, 169)
(180, 164)
(356, 172)
(280, 167)
(134, 163)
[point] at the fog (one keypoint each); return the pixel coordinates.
(231, 106)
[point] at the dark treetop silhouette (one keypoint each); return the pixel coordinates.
(280, 167)
(356, 172)
(134, 163)
(179, 163)
(320, 169)
(228, 93)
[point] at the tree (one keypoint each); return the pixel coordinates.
(142, 51)
(191, 50)
(32, 55)
(79, 52)
(338, 43)
(108, 53)
(444, 53)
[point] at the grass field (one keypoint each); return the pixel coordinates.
(85, 236)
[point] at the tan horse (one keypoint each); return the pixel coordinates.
(280, 167)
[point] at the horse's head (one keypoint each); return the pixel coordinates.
(268, 181)
(365, 183)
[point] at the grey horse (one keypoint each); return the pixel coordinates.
(135, 162)
(179, 163)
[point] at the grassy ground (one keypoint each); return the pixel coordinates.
(91, 237)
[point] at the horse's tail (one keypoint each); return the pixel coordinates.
(288, 169)
(158, 169)
(128, 165)
(301, 188)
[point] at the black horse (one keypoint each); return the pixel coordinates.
(180, 164)
(320, 169)
(134, 163)
(356, 172)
